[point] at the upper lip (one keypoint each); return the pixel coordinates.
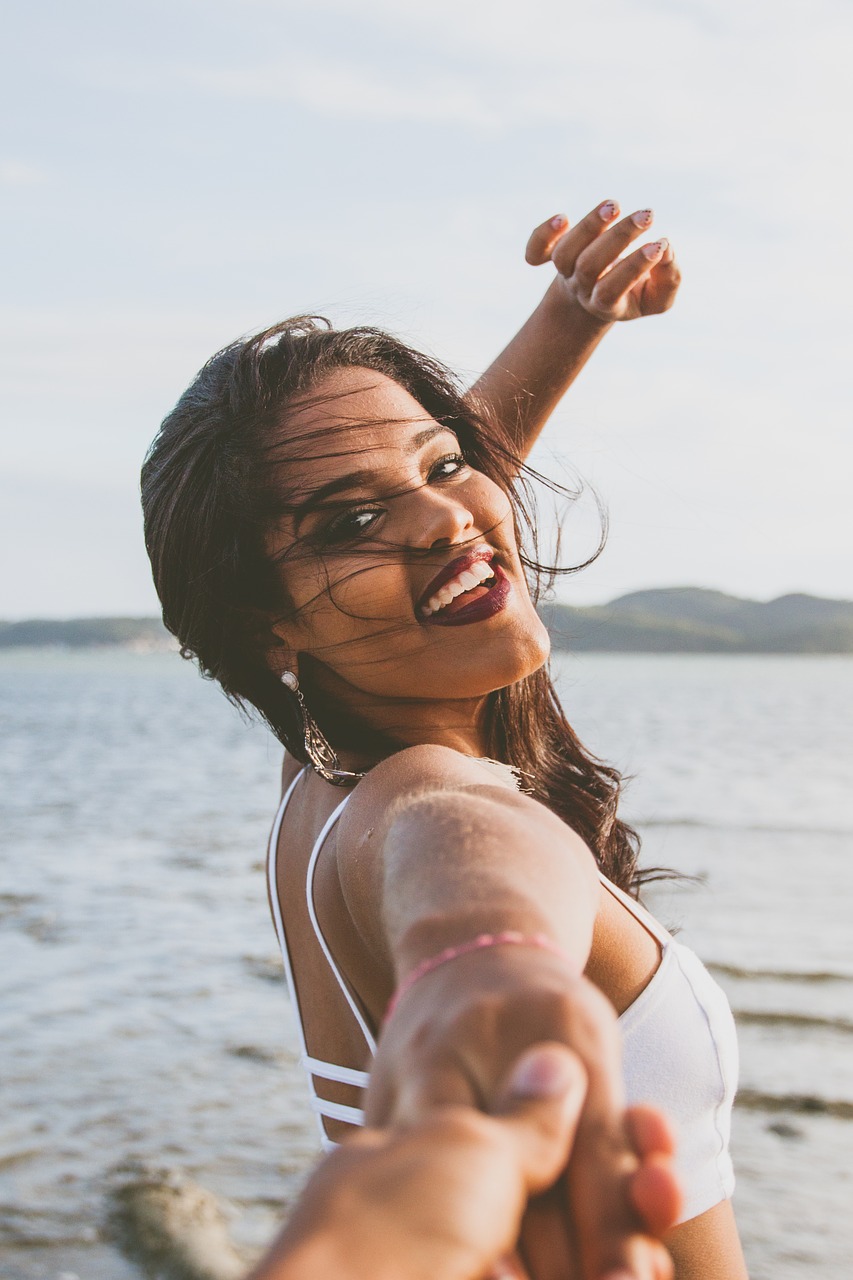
(453, 569)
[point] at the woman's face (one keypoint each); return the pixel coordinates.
(401, 564)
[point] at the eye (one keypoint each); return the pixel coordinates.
(448, 466)
(351, 524)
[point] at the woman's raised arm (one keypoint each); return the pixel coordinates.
(448, 859)
(592, 289)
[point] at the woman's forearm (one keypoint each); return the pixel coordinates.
(523, 386)
(459, 864)
(597, 282)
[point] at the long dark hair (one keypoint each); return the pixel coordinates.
(210, 493)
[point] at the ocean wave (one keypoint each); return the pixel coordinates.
(778, 1018)
(37, 1227)
(768, 828)
(799, 1103)
(776, 975)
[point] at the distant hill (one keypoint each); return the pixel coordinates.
(695, 620)
(664, 620)
(79, 633)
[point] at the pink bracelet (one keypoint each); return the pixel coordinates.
(483, 940)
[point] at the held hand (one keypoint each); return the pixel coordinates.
(593, 275)
(443, 1199)
(455, 1046)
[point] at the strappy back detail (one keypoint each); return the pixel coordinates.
(316, 1067)
(369, 1038)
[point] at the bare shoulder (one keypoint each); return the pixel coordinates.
(426, 784)
(431, 833)
(411, 775)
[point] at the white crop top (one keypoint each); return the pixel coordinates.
(679, 1042)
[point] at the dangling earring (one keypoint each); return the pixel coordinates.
(319, 750)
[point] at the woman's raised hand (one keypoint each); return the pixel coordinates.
(592, 271)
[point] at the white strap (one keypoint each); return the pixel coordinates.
(272, 881)
(325, 1070)
(336, 1111)
(331, 1071)
(309, 893)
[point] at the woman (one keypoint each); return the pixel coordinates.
(335, 535)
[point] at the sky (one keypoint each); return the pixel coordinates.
(174, 173)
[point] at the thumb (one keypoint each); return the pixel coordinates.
(539, 1105)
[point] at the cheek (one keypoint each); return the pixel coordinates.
(343, 597)
(488, 501)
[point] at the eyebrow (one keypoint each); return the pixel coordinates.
(354, 479)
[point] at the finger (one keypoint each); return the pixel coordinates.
(625, 275)
(543, 239)
(655, 1193)
(599, 256)
(541, 245)
(539, 1106)
(547, 1242)
(651, 1262)
(564, 248)
(661, 285)
(597, 1197)
(649, 1131)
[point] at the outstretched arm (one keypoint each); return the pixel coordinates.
(445, 858)
(593, 288)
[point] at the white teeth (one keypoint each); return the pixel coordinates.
(469, 578)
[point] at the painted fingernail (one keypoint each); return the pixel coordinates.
(656, 250)
(608, 211)
(558, 221)
(642, 218)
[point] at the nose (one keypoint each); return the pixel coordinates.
(440, 519)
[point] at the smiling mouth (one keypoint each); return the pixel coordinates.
(469, 589)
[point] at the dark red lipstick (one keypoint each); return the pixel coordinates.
(486, 607)
(452, 570)
(488, 602)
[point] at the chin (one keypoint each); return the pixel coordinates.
(513, 659)
(532, 654)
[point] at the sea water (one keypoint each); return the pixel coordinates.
(146, 1036)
